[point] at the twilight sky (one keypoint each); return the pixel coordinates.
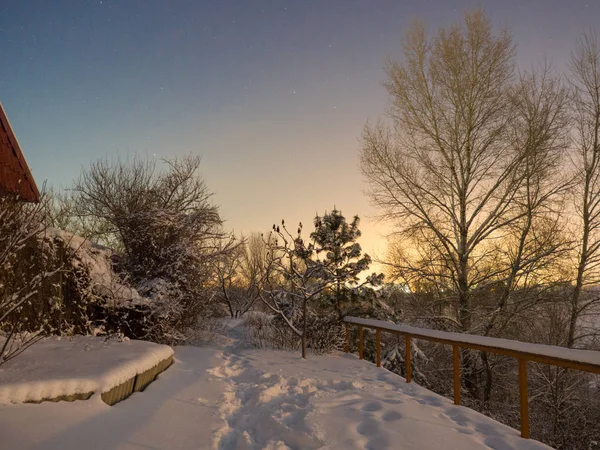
(273, 94)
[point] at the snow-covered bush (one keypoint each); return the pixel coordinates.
(51, 281)
(168, 233)
(264, 331)
(209, 330)
(325, 332)
(23, 271)
(83, 294)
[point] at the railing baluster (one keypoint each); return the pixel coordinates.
(456, 368)
(378, 344)
(360, 342)
(524, 398)
(347, 338)
(408, 359)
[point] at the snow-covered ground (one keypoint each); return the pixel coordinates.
(230, 397)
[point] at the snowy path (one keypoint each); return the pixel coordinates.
(275, 400)
(231, 398)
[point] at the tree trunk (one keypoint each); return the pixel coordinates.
(583, 259)
(468, 360)
(487, 390)
(304, 329)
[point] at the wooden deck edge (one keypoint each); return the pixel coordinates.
(136, 384)
(64, 398)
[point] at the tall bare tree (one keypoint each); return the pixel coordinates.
(469, 157)
(585, 80)
(531, 248)
(445, 168)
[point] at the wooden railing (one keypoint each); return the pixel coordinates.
(585, 360)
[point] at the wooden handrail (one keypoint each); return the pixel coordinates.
(584, 360)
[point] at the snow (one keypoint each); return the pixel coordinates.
(229, 397)
(61, 366)
(550, 351)
(97, 259)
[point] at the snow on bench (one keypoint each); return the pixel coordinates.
(76, 368)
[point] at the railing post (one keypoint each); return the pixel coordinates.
(378, 344)
(408, 359)
(523, 398)
(456, 368)
(347, 338)
(360, 342)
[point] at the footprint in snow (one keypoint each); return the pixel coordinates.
(392, 401)
(429, 400)
(391, 416)
(368, 427)
(372, 406)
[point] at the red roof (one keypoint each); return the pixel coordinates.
(15, 177)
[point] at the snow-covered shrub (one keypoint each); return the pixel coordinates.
(167, 231)
(47, 282)
(23, 270)
(83, 295)
(263, 330)
(208, 331)
(325, 332)
(167, 307)
(60, 305)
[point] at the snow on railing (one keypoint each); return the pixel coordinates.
(585, 360)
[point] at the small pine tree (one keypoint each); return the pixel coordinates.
(322, 272)
(335, 239)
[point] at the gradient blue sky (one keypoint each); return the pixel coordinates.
(273, 94)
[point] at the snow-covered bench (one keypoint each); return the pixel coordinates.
(68, 369)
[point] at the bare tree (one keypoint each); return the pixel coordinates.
(534, 244)
(585, 71)
(241, 274)
(445, 169)
(468, 165)
(63, 215)
(169, 232)
(290, 260)
(254, 262)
